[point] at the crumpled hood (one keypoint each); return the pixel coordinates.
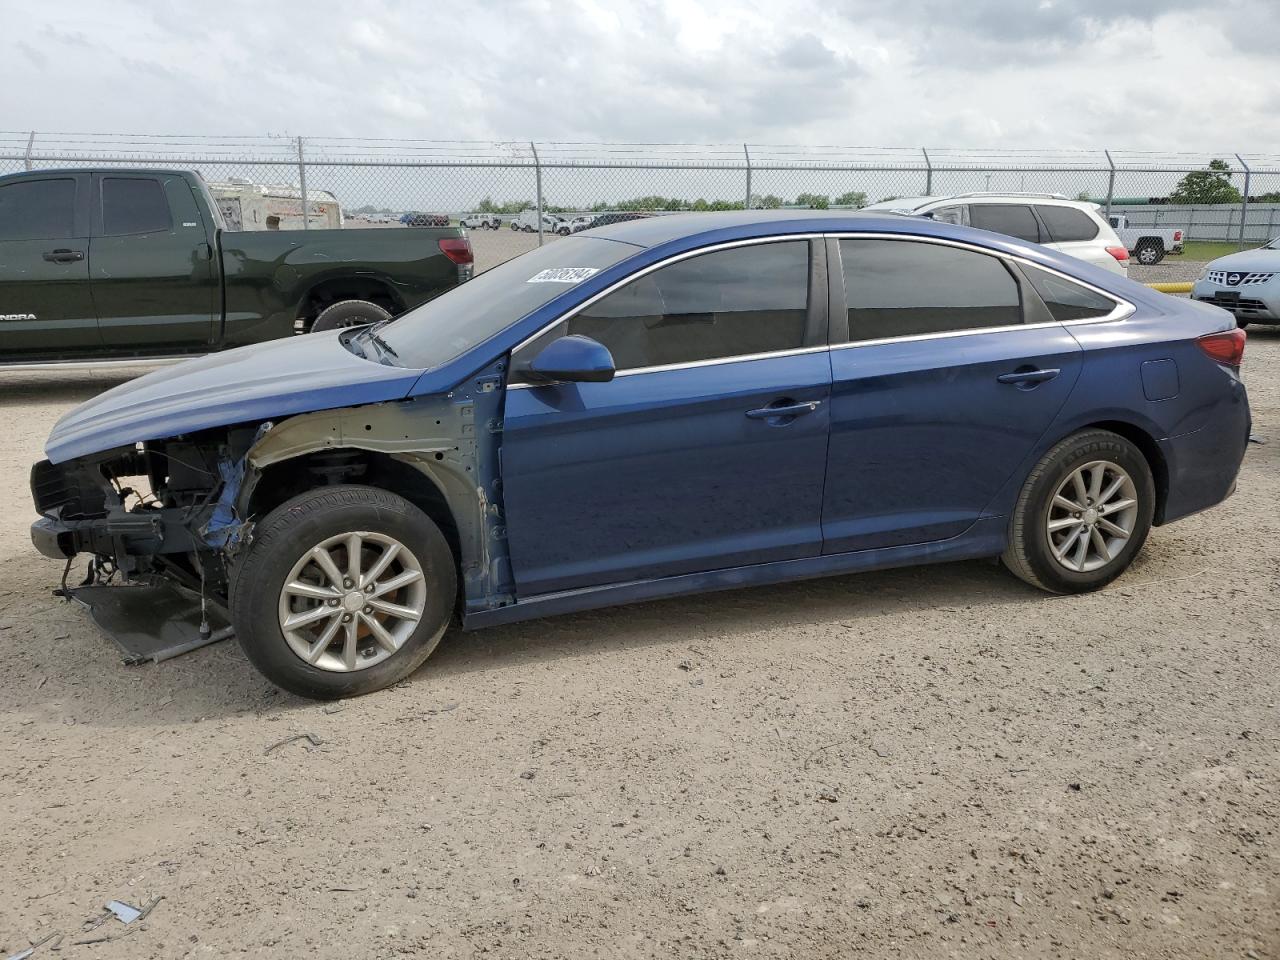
(259, 382)
(1249, 261)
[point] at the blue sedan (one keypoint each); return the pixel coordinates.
(660, 407)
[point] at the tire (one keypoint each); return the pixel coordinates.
(514, 225)
(282, 545)
(348, 313)
(1037, 555)
(1241, 323)
(1149, 254)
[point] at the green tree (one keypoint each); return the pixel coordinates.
(1084, 196)
(816, 201)
(1207, 186)
(853, 198)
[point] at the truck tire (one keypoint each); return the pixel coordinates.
(348, 313)
(514, 225)
(1149, 252)
(323, 623)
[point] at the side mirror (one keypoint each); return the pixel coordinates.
(574, 358)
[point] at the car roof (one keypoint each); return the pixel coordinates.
(653, 231)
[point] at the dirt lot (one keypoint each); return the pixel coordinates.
(924, 763)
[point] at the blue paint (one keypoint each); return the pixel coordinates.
(1160, 379)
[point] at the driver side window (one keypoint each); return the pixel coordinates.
(736, 302)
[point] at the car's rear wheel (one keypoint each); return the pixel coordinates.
(344, 590)
(348, 313)
(1083, 514)
(1149, 254)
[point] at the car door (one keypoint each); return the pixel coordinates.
(45, 305)
(939, 388)
(708, 448)
(1011, 219)
(155, 282)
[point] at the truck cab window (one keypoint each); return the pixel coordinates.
(133, 205)
(38, 210)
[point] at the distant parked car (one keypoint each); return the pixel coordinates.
(426, 220)
(481, 221)
(527, 220)
(577, 224)
(1075, 227)
(1147, 245)
(649, 410)
(1246, 283)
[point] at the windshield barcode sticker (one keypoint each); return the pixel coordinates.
(563, 275)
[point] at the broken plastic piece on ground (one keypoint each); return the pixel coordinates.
(123, 911)
(151, 622)
(23, 954)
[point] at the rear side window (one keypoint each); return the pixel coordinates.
(730, 303)
(1067, 224)
(1067, 300)
(1011, 219)
(38, 210)
(901, 288)
(131, 205)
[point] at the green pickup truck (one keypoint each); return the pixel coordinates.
(135, 264)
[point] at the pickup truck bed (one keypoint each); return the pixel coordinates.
(135, 264)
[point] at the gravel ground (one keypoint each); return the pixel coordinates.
(935, 762)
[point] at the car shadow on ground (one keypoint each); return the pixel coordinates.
(66, 388)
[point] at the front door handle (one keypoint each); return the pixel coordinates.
(1028, 376)
(784, 410)
(64, 256)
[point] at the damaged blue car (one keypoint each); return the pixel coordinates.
(660, 407)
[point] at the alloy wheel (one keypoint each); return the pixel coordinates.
(1092, 516)
(352, 601)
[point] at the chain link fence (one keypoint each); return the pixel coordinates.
(515, 195)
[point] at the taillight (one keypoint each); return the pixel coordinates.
(1177, 235)
(457, 249)
(1120, 253)
(1226, 347)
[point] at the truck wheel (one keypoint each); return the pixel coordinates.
(1148, 254)
(344, 590)
(348, 313)
(514, 225)
(1083, 514)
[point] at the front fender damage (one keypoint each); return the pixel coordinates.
(453, 441)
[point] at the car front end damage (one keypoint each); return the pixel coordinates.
(160, 509)
(176, 515)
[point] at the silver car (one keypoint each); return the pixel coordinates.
(1246, 283)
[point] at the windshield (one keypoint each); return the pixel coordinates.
(469, 314)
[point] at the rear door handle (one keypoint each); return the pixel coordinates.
(784, 410)
(1028, 376)
(64, 256)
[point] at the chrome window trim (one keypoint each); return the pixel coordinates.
(675, 258)
(1123, 308)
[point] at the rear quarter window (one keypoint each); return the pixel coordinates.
(1067, 300)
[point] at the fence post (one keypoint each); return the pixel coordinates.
(1191, 219)
(1111, 180)
(302, 183)
(537, 174)
(746, 153)
(928, 173)
(1244, 202)
(1271, 221)
(26, 160)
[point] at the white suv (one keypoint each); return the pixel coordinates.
(1075, 227)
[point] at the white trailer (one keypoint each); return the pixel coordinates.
(246, 205)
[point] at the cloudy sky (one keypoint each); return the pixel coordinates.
(1199, 75)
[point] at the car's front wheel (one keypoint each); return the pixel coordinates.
(344, 590)
(1083, 514)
